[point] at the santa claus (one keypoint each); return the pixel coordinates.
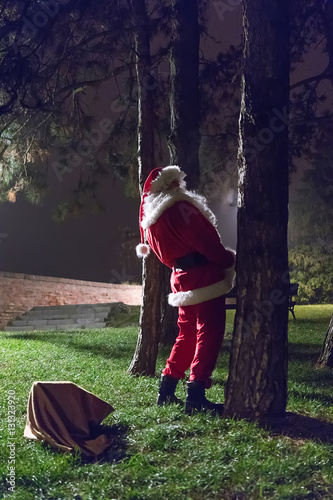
(178, 226)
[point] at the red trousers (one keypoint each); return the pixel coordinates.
(201, 332)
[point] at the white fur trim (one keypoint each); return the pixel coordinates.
(193, 297)
(166, 176)
(142, 250)
(156, 204)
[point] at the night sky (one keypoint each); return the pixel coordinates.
(88, 247)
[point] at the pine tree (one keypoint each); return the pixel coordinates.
(144, 359)
(184, 137)
(51, 55)
(257, 382)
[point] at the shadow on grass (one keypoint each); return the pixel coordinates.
(114, 454)
(303, 352)
(117, 451)
(317, 396)
(56, 338)
(298, 427)
(317, 377)
(307, 321)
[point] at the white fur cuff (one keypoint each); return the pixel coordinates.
(193, 297)
(142, 250)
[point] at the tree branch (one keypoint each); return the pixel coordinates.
(323, 76)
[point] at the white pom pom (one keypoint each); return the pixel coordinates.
(142, 250)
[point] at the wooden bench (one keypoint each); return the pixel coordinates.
(293, 291)
(231, 298)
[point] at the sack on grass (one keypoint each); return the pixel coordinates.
(67, 416)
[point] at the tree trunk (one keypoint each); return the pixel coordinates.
(257, 383)
(184, 138)
(326, 356)
(169, 327)
(144, 359)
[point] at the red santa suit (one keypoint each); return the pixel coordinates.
(182, 231)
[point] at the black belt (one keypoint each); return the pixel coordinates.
(194, 259)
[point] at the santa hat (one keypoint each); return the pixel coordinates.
(159, 180)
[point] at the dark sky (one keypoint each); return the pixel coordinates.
(88, 247)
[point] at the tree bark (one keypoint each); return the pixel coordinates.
(169, 327)
(257, 383)
(144, 359)
(326, 356)
(184, 138)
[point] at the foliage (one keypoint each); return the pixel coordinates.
(52, 59)
(311, 217)
(165, 453)
(312, 267)
(311, 229)
(310, 113)
(50, 76)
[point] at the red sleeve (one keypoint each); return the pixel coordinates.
(202, 236)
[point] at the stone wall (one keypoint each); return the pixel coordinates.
(20, 292)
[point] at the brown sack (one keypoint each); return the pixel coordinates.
(67, 416)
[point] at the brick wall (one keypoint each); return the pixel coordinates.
(20, 292)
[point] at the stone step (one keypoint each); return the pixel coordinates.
(24, 322)
(18, 328)
(70, 311)
(55, 322)
(70, 316)
(39, 316)
(79, 306)
(56, 327)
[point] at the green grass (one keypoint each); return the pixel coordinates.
(166, 454)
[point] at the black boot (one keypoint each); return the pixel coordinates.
(167, 391)
(196, 400)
